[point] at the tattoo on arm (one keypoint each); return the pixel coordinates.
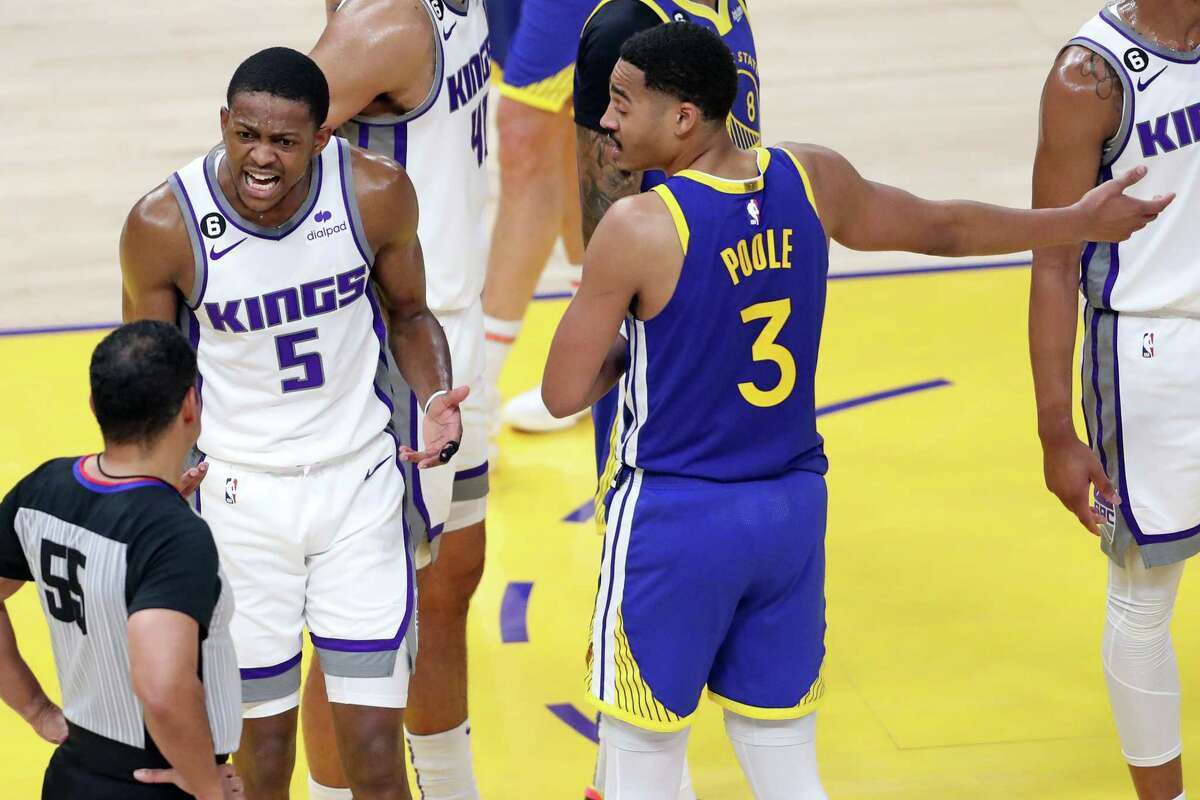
(600, 183)
(1108, 84)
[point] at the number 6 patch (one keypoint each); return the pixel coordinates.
(213, 225)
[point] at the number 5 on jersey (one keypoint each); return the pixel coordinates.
(314, 370)
(776, 313)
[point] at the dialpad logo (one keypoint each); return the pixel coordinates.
(321, 233)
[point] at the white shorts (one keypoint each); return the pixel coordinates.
(453, 496)
(323, 546)
(1141, 378)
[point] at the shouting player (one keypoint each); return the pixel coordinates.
(270, 250)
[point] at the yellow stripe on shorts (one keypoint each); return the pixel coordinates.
(549, 94)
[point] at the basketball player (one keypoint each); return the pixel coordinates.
(537, 178)
(409, 81)
(713, 563)
(130, 585)
(1124, 93)
(270, 249)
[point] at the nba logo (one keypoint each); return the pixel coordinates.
(752, 208)
(1148, 345)
(231, 490)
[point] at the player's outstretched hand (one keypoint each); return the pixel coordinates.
(1110, 215)
(190, 481)
(442, 431)
(1071, 470)
(231, 784)
(49, 723)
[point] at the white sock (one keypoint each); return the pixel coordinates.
(499, 334)
(442, 763)
(318, 792)
(686, 792)
(778, 757)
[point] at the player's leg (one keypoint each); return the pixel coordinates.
(535, 131)
(259, 532)
(641, 764)
(326, 778)
(1142, 674)
(359, 608)
(767, 673)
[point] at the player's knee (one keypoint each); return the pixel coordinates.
(375, 766)
(527, 147)
(1140, 605)
(453, 579)
(266, 760)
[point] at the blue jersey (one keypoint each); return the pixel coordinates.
(719, 385)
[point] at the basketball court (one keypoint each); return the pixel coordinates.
(965, 606)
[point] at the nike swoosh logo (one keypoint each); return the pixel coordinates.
(446, 33)
(1144, 85)
(217, 255)
(375, 469)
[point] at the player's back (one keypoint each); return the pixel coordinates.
(719, 384)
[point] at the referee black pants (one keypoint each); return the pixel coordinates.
(66, 779)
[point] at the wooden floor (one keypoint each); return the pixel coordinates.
(965, 607)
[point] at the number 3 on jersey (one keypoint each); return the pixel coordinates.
(776, 313)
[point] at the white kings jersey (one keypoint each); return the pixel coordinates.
(1157, 272)
(442, 144)
(288, 335)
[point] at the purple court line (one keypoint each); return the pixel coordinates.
(837, 276)
(581, 723)
(513, 610)
(586, 511)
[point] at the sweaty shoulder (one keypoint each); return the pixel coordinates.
(386, 197)
(155, 237)
(1083, 95)
(599, 49)
(396, 37)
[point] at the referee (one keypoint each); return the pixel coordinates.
(128, 580)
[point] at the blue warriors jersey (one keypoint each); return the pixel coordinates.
(720, 384)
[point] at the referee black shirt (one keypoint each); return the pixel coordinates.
(99, 552)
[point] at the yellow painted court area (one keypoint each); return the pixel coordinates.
(965, 607)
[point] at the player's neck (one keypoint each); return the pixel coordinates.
(1171, 23)
(716, 155)
(163, 461)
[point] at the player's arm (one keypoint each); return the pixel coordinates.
(600, 183)
(1081, 109)
(389, 207)
(587, 356)
(865, 215)
(19, 687)
(370, 48)
(156, 258)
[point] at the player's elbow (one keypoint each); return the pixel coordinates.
(558, 401)
(160, 691)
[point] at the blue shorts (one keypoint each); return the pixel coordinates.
(537, 62)
(710, 584)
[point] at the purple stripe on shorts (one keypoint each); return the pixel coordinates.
(474, 472)
(258, 673)
(513, 611)
(361, 645)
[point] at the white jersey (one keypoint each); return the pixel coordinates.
(442, 143)
(1157, 272)
(287, 333)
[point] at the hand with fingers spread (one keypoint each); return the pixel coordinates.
(191, 479)
(1110, 215)
(442, 430)
(230, 784)
(1071, 470)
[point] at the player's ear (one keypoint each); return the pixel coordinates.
(322, 138)
(190, 408)
(687, 118)
(224, 118)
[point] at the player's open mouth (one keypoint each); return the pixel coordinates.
(260, 184)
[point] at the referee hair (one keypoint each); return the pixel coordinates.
(140, 374)
(283, 72)
(688, 62)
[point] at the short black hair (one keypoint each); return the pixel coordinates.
(686, 61)
(140, 374)
(286, 73)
